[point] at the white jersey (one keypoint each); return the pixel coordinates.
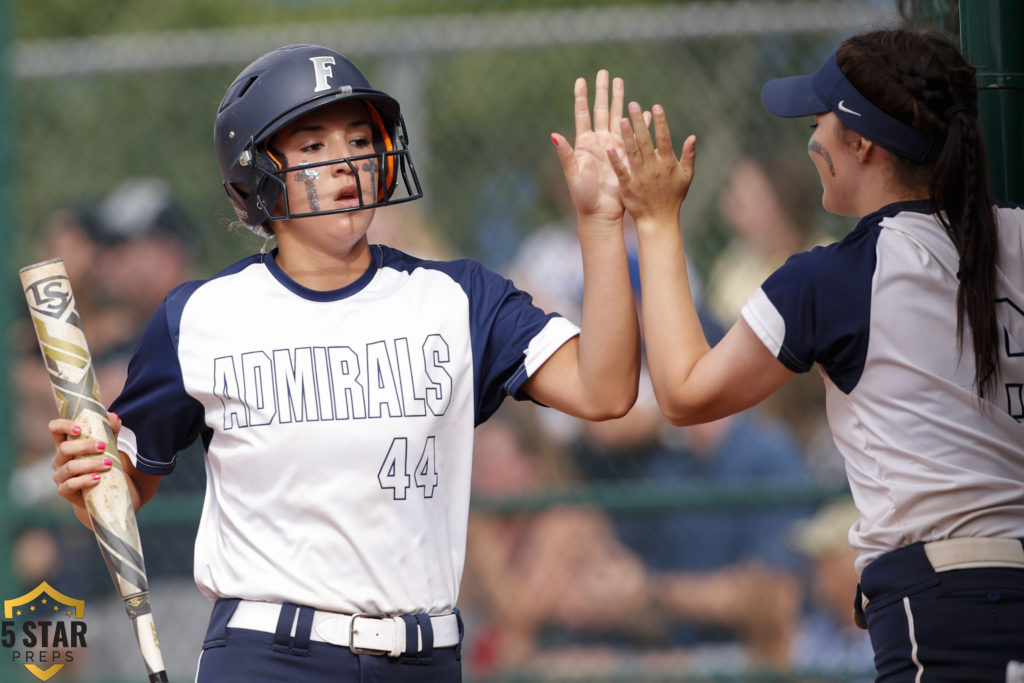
(338, 425)
(926, 460)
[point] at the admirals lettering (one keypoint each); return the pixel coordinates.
(386, 378)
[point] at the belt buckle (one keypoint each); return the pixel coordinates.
(352, 633)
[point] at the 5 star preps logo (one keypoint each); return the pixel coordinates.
(43, 629)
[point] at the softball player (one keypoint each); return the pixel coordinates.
(916, 320)
(336, 384)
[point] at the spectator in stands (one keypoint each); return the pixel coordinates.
(723, 574)
(75, 234)
(151, 243)
(828, 641)
(533, 574)
(769, 205)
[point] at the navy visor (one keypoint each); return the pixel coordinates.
(828, 90)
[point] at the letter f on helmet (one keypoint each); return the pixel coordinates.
(322, 69)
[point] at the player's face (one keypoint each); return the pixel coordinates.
(832, 157)
(339, 131)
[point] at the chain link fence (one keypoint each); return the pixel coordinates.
(623, 551)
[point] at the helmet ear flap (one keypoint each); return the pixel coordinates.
(387, 170)
(269, 188)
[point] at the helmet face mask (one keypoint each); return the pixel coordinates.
(279, 88)
(377, 163)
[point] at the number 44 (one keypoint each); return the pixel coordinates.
(394, 471)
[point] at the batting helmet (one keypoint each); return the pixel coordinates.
(278, 88)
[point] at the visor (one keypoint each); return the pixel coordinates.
(828, 90)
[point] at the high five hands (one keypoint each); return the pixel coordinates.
(652, 182)
(614, 166)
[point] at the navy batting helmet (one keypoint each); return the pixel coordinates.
(276, 89)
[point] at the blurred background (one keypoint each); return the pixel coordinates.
(623, 551)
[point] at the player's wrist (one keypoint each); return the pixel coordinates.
(599, 223)
(657, 222)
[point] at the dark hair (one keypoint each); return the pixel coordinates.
(922, 79)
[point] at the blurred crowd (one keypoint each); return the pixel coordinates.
(565, 590)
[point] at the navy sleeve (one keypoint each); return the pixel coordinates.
(154, 404)
(824, 298)
(503, 322)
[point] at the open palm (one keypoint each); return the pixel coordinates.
(593, 184)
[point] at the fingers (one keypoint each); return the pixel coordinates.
(73, 455)
(629, 144)
(618, 102)
(115, 424)
(606, 112)
(78, 464)
(78, 448)
(640, 132)
(581, 107)
(562, 148)
(80, 473)
(688, 158)
(619, 166)
(662, 135)
(80, 461)
(61, 430)
(601, 100)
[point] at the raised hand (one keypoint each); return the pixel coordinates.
(592, 181)
(595, 375)
(652, 181)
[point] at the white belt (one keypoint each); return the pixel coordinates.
(973, 552)
(373, 634)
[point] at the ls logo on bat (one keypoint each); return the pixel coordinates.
(51, 296)
(43, 628)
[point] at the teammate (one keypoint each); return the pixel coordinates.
(336, 384)
(916, 319)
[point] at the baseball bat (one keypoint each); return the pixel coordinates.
(58, 327)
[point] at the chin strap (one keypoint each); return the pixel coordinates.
(266, 239)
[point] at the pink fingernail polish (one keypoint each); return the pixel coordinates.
(554, 139)
(76, 430)
(100, 445)
(96, 477)
(108, 462)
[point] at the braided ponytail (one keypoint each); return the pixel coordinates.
(922, 79)
(961, 179)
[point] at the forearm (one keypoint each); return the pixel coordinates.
(609, 346)
(673, 334)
